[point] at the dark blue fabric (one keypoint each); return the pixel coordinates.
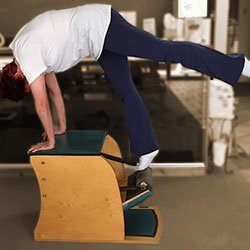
(124, 39)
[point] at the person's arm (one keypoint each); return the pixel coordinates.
(56, 97)
(38, 89)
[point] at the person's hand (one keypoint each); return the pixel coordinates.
(56, 132)
(45, 145)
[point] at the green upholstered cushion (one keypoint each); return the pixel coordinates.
(140, 222)
(77, 142)
(136, 201)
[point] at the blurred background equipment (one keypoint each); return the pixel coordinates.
(129, 16)
(190, 8)
(171, 27)
(149, 24)
(221, 120)
(2, 40)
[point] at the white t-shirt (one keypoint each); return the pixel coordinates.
(57, 40)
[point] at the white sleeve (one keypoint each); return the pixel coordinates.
(32, 63)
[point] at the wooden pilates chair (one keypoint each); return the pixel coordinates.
(82, 185)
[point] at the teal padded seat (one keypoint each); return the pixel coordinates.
(140, 222)
(76, 142)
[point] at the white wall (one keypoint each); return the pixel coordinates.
(221, 25)
(244, 27)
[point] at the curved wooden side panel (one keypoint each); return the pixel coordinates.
(80, 199)
(111, 147)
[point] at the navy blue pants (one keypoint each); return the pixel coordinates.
(124, 39)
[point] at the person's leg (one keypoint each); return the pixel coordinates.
(141, 135)
(128, 40)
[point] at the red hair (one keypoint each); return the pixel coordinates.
(11, 86)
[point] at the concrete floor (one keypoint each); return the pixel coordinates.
(210, 212)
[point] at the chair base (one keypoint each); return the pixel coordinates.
(128, 239)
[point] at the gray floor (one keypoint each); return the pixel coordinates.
(211, 212)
